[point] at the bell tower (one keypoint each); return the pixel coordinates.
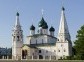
(63, 34)
(17, 39)
(64, 44)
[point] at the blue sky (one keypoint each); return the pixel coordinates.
(30, 13)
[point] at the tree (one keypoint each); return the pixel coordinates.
(79, 43)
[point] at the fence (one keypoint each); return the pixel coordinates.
(29, 58)
(41, 61)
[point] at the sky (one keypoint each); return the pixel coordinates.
(30, 13)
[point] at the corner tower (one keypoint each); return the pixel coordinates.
(17, 39)
(64, 44)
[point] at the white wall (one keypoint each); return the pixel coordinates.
(32, 32)
(41, 39)
(47, 50)
(62, 46)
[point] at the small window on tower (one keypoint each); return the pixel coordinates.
(54, 50)
(14, 38)
(58, 50)
(30, 41)
(36, 41)
(17, 38)
(64, 50)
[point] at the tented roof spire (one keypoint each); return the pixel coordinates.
(63, 33)
(17, 19)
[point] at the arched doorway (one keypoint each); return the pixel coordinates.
(40, 57)
(24, 54)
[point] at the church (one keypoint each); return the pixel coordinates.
(42, 45)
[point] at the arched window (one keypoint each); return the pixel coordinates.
(42, 41)
(61, 45)
(30, 41)
(54, 50)
(64, 50)
(46, 51)
(36, 41)
(39, 51)
(13, 38)
(58, 50)
(17, 38)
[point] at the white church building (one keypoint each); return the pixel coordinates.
(42, 45)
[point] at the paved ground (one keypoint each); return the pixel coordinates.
(41, 61)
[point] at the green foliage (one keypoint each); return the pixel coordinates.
(69, 57)
(79, 44)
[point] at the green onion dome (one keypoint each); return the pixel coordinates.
(17, 14)
(51, 29)
(43, 24)
(32, 27)
(63, 8)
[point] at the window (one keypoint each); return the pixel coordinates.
(17, 38)
(54, 50)
(39, 51)
(42, 41)
(64, 50)
(61, 45)
(18, 32)
(14, 38)
(35, 50)
(46, 51)
(30, 41)
(58, 50)
(36, 41)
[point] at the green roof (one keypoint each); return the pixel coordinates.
(51, 29)
(32, 27)
(43, 24)
(17, 14)
(63, 8)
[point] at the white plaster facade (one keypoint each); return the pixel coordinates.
(32, 32)
(40, 39)
(17, 39)
(46, 44)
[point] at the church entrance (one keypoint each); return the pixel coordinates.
(24, 54)
(40, 57)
